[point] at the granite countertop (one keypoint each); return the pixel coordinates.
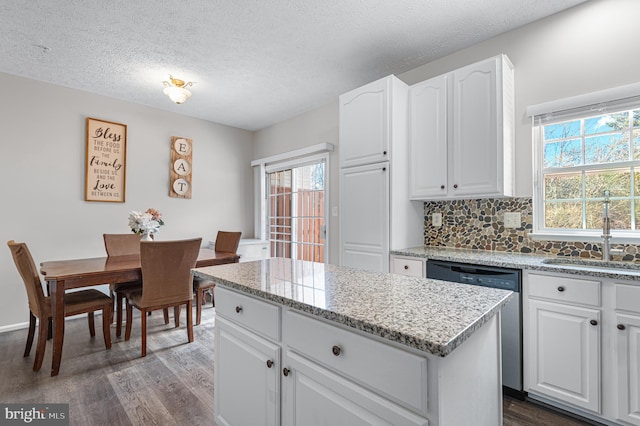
(586, 267)
(429, 315)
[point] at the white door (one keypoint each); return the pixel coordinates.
(428, 139)
(246, 369)
(565, 353)
(314, 396)
(364, 221)
(364, 124)
(474, 126)
(628, 356)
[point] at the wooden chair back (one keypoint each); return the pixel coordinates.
(38, 303)
(166, 271)
(227, 242)
(121, 244)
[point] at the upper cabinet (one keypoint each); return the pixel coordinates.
(461, 133)
(365, 124)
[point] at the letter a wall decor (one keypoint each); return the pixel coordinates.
(181, 160)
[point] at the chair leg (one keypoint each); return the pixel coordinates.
(92, 325)
(190, 320)
(166, 315)
(32, 331)
(176, 315)
(43, 332)
(113, 307)
(213, 297)
(50, 332)
(118, 314)
(127, 330)
(199, 302)
(144, 332)
(107, 317)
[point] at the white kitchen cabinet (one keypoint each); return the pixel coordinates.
(411, 267)
(627, 348)
(256, 383)
(565, 353)
(461, 133)
(364, 224)
(374, 176)
(563, 339)
(366, 122)
(311, 392)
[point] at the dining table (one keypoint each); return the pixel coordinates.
(62, 275)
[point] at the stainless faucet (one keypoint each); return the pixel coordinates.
(606, 228)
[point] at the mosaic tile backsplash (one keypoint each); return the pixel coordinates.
(479, 224)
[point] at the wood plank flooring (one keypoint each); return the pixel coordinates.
(172, 385)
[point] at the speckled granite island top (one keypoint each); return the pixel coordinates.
(429, 315)
(616, 270)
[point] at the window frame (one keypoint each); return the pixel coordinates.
(540, 118)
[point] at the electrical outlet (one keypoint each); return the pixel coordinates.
(512, 220)
(436, 219)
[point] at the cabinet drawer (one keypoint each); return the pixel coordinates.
(396, 374)
(564, 289)
(410, 267)
(254, 314)
(627, 297)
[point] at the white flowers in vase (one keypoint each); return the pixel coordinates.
(145, 223)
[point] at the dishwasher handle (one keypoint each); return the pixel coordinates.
(477, 271)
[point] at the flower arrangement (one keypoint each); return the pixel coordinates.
(145, 223)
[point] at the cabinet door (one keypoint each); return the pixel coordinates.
(409, 267)
(628, 356)
(364, 124)
(364, 222)
(476, 165)
(246, 370)
(564, 344)
(312, 395)
(428, 139)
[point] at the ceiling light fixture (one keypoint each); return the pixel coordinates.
(175, 90)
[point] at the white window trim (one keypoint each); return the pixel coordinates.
(597, 101)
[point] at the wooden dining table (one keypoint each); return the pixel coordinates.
(62, 275)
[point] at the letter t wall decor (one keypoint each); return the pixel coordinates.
(181, 160)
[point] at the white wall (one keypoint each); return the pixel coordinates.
(584, 49)
(314, 127)
(43, 153)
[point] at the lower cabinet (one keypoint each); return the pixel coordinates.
(565, 353)
(275, 365)
(311, 392)
(582, 344)
(256, 383)
(412, 267)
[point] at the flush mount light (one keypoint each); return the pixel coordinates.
(175, 90)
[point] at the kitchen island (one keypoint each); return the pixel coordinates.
(306, 343)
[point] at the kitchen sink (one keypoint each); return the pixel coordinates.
(592, 263)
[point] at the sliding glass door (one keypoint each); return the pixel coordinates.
(296, 211)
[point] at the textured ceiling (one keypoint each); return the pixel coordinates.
(254, 62)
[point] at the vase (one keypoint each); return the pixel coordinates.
(146, 236)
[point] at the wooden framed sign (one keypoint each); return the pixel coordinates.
(180, 174)
(105, 176)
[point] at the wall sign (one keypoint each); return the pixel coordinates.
(105, 162)
(180, 174)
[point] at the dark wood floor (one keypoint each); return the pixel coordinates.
(173, 385)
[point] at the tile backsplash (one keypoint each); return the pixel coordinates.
(479, 224)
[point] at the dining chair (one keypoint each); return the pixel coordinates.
(166, 282)
(226, 242)
(121, 245)
(77, 302)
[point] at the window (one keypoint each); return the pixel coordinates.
(580, 154)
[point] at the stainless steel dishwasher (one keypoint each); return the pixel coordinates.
(511, 316)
